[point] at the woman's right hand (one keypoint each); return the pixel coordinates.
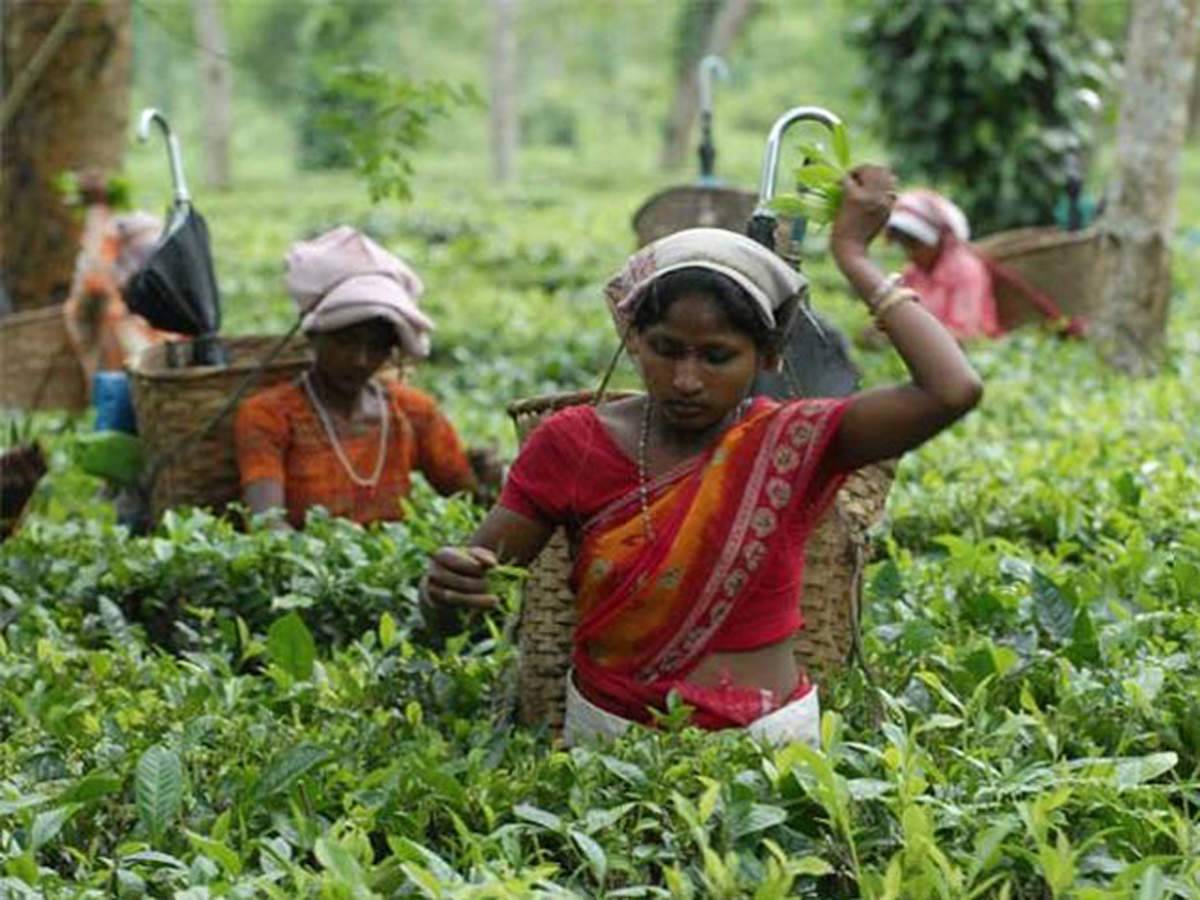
(457, 577)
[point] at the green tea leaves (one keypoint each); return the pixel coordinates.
(818, 194)
(288, 768)
(158, 782)
(291, 646)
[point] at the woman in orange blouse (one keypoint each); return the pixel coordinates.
(339, 436)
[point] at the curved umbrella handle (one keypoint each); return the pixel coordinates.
(761, 227)
(710, 68)
(766, 185)
(151, 116)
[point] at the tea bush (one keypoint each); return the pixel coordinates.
(209, 712)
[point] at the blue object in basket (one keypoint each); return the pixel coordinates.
(113, 402)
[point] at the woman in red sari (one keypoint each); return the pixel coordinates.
(688, 507)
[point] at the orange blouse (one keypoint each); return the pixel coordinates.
(279, 437)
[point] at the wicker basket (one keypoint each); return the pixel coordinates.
(174, 405)
(693, 206)
(1064, 265)
(38, 368)
(835, 555)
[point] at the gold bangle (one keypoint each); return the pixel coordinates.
(894, 298)
(882, 290)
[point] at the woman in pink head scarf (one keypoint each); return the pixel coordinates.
(340, 436)
(954, 282)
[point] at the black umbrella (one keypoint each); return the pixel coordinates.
(816, 356)
(176, 289)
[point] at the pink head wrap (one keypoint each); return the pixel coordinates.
(343, 277)
(928, 216)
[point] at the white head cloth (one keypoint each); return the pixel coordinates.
(926, 216)
(768, 280)
(343, 277)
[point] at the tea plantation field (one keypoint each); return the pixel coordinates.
(207, 712)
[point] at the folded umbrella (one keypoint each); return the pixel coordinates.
(176, 289)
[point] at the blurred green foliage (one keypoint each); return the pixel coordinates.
(982, 99)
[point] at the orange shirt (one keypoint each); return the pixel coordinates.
(279, 437)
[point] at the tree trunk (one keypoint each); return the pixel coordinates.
(728, 24)
(216, 83)
(1136, 229)
(502, 83)
(72, 119)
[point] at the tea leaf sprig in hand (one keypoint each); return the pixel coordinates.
(818, 194)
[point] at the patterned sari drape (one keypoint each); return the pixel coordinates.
(651, 604)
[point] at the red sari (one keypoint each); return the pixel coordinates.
(728, 529)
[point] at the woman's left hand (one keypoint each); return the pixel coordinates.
(868, 192)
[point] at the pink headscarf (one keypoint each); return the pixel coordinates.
(928, 217)
(343, 277)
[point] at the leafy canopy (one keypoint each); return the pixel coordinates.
(983, 99)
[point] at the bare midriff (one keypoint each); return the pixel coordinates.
(771, 668)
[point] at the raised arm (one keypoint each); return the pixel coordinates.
(882, 423)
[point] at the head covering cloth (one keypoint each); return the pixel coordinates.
(768, 280)
(928, 217)
(342, 278)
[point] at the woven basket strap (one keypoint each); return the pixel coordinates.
(1042, 301)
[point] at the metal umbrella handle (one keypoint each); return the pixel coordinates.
(762, 223)
(151, 116)
(711, 68)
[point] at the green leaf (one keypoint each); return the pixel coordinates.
(811, 865)
(91, 787)
(387, 631)
(47, 825)
(596, 857)
(217, 851)
(1132, 771)
(626, 771)
(759, 817)
(537, 816)
(841, 145)
(341, 864)
(158, 789)
(287, 768)
(1054, 612)
(291, 646)
(817, 176)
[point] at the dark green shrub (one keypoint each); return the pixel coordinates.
(981, 97)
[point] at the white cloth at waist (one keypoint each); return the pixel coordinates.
(799, 720)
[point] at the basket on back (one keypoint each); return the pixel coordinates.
(692, 206)
(38, 369)
(835, 555)
(175, 404)
(1064, 265)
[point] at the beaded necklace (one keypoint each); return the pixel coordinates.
(643, 480)
(643, 468)
(331, 433)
